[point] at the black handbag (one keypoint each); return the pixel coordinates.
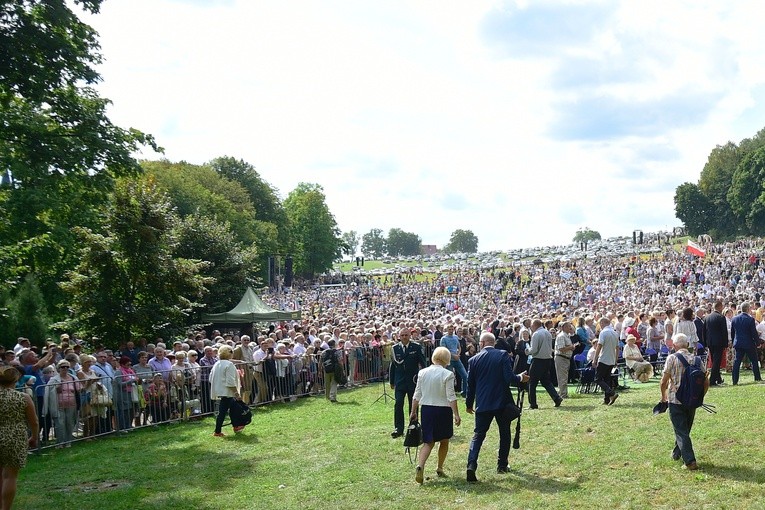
(413, 437)
(240, 413)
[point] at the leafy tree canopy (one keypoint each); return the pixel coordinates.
(317, 238)
(585, 235)
(462, 241)
(128, 282)
(403, 243)
(373, 244)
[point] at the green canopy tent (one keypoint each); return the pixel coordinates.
(249, 310)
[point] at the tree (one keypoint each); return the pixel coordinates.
(403, 243)
(693, 208)
(462, 241)
(747, 191)
(317, 238)
(714, 183)
(264, 196)
(231, 265)
(58, 148)
(351, 240)
(29, 317)
(373, 244)
(585, 235)
(128, 283)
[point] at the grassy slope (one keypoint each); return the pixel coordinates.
(583, 455)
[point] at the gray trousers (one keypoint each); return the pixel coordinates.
(64, 425)
(561, 371)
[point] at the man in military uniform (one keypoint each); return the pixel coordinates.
(407, 361)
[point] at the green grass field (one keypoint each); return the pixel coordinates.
(313, 454)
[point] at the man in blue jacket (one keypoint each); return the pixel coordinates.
(489, 379)
(743, 331)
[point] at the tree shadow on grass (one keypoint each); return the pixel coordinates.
(489, 482)
(739, 473)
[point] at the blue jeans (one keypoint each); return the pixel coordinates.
(682, 420)
(752, 353)
(460, 368)
(482, 423)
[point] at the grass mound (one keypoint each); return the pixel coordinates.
(313, 454)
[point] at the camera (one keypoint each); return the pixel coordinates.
(270, 350)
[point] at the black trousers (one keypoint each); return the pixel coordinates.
(539, 373)
(402, 393)
(602, 376)
(717, 353)
(223, 407)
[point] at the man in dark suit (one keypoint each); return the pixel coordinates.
(489, 379)
(743, 330)
(407, 361)
(716, 337)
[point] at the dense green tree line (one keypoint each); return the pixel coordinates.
(729, 198)
(99, 243)
(375, 244)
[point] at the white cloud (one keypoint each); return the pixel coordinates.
(410, 116)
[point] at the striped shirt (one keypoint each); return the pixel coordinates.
(675, 369)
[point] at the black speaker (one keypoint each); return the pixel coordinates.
(271, 272)
(641, 237)
(634, 237)
(288, 272)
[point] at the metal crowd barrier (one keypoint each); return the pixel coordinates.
(104, 407)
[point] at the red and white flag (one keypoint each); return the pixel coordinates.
(695, 249)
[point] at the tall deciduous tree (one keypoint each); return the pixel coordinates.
(128, 282)
(264, 196)
(403, 243)
(747, 191)
(317, 238)
(694, 209)
(462, 241)
(373, 244)
(232, 265)
(57, 144)
(351, 242)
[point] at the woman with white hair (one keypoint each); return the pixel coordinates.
(435, 391)
(224, 386)
(641, 369)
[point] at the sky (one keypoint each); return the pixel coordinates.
(522, 121)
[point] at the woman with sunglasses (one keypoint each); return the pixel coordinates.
(60, 400)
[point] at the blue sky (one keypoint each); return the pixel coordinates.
(521, 121)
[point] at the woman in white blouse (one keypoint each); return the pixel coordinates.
(435, 391)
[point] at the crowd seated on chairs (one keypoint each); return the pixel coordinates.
(114, 388)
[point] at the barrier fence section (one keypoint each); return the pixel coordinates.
(93, 407)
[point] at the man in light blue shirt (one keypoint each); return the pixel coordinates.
(452, 342)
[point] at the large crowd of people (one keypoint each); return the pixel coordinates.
(547, 315)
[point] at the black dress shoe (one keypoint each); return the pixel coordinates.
(558, 402)
(503, 470)
(471, 475)
(675, 455)
(396, 434)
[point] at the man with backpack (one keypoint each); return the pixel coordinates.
(330, 361)
(683, 386)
